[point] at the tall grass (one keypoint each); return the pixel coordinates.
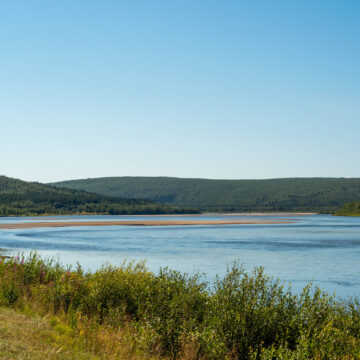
(176, 316)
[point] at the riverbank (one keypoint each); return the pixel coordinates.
(49, 224)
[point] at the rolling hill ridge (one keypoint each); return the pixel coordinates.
(290, 194)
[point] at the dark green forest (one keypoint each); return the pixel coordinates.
(21, 198)
(161, 195)
(324, 195)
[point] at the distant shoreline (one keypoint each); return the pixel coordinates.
(34, 225)
(172, 215)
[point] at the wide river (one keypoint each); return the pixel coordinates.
(320, 248)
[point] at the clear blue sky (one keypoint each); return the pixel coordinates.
(214, 89)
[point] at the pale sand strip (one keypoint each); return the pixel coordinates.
(34, 225)
(269, 214)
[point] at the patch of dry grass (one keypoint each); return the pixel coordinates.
(23, 337)
(28, 336)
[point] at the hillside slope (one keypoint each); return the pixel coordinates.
(292, 194)
(19, 197)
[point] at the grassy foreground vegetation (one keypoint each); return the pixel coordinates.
(324, 195)
(128, 312)
(351, 209)
(21, 198)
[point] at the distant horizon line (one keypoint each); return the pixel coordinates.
(204, 178)
(184, 178)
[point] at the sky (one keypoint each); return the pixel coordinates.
(211, 89)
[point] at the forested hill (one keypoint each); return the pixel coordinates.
(19, 197)
(292, 194)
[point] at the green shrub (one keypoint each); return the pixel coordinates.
(176, 308)
(123, 288)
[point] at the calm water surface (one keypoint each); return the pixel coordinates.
(320, 248)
